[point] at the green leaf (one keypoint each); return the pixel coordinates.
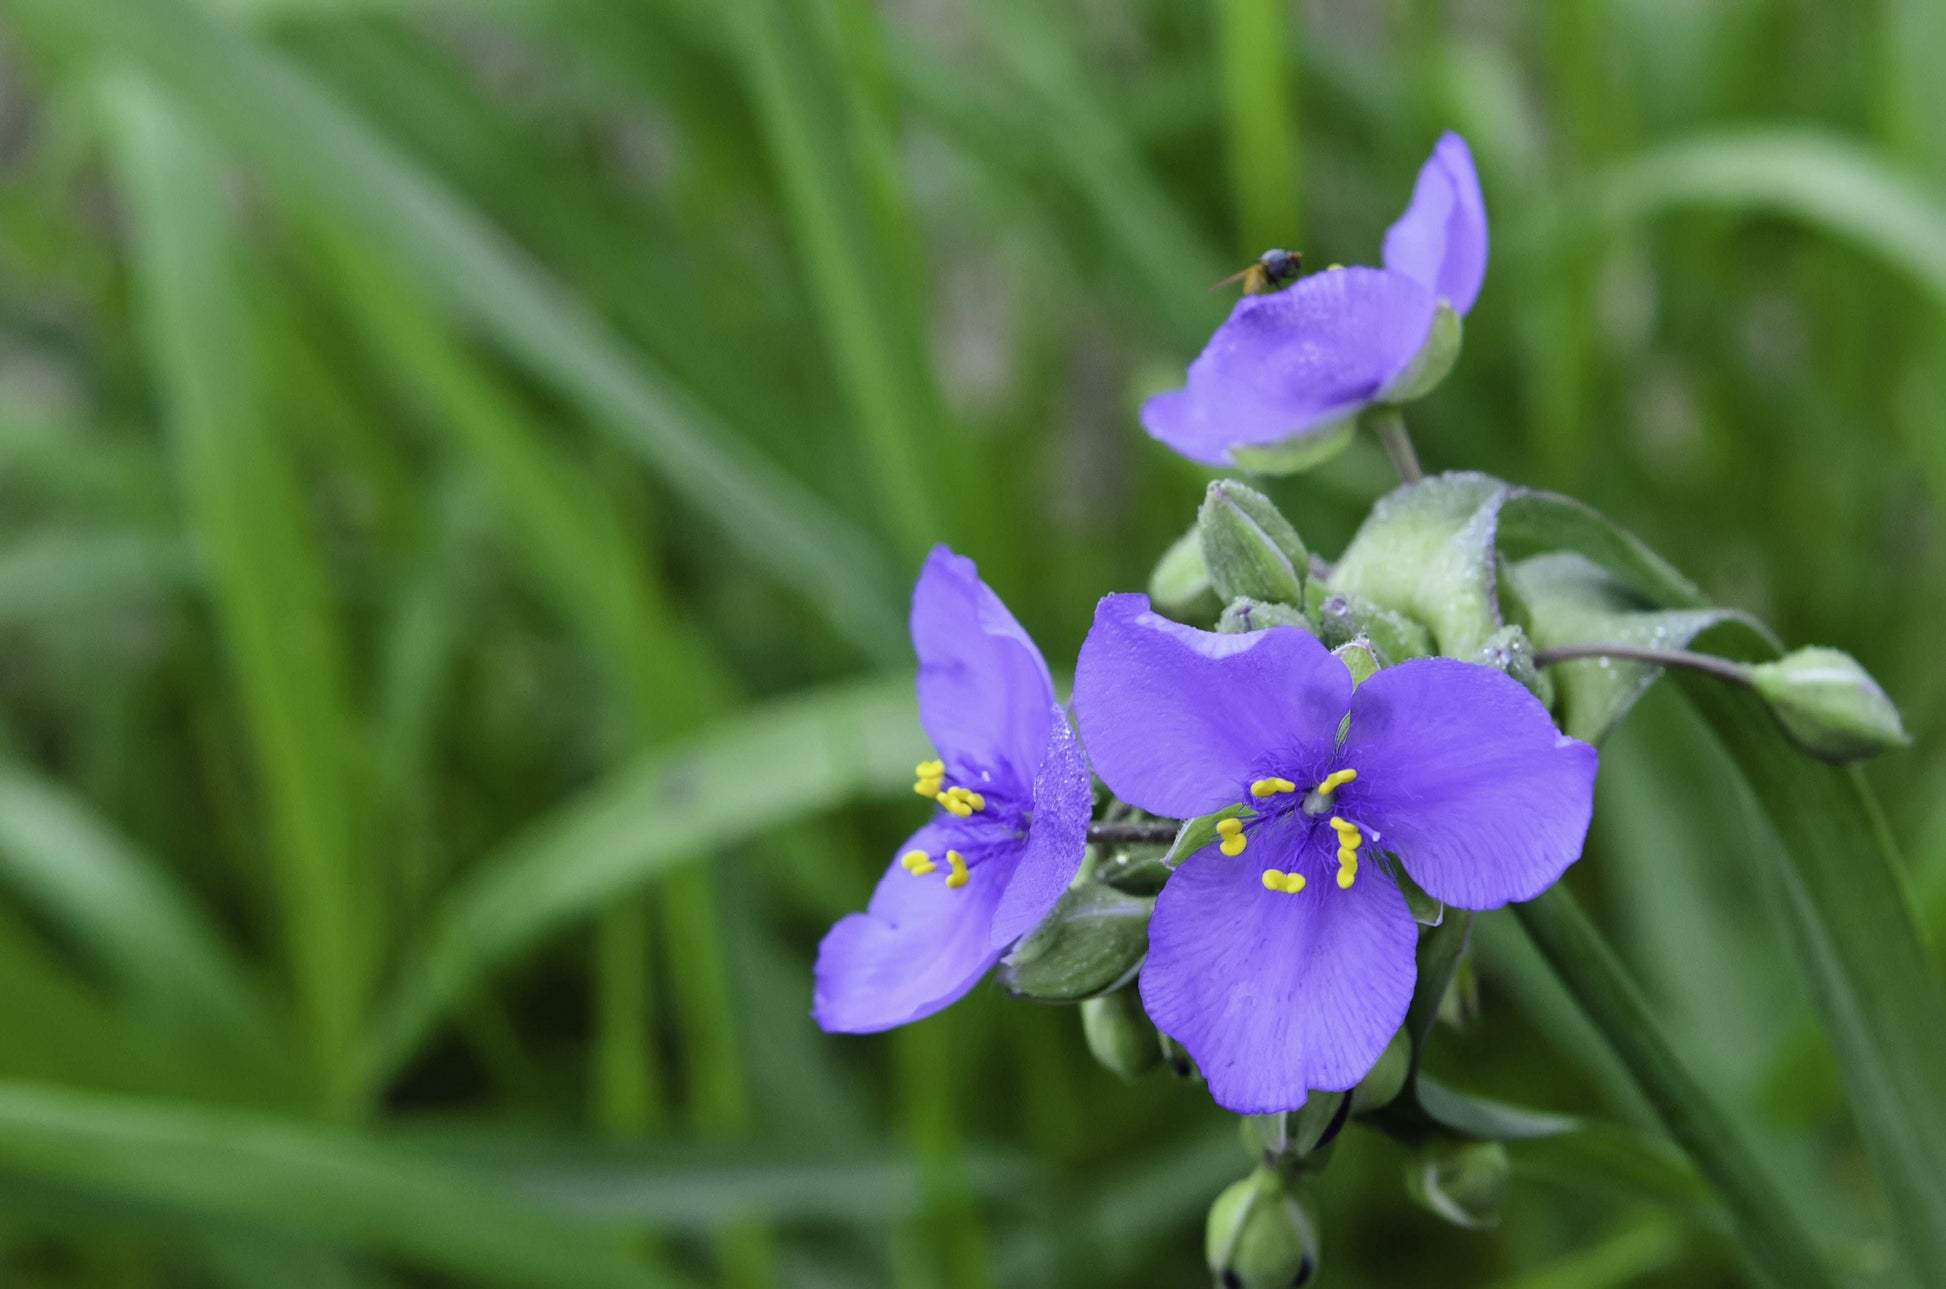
(218, 1168)
(767, 767)
(1488, 1120)
(1568, 600)
(273, 598)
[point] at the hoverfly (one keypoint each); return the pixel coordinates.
(1273, 269)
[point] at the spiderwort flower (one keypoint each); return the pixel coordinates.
(1281, 956)
(1298, 364)
(1013, 799)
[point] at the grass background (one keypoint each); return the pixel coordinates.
(461, 466)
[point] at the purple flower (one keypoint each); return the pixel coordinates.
(1295, 364)
(1281, 955)
(1013, 799)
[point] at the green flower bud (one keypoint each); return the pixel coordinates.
(1359, 659)
(1093, 942)
(1255, 615)
(1259, 1235)
(1432, 363)
(1180, 585)
(1829, 705)
(1250, 548)
(1381, 1087)
(1119, 1033)
(1461, 1181)
(1393, 636)
(1509, 650)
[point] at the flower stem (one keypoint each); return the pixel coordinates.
(1388, 423)
(1112, 834)
(1771, 1236)
(1721, 668)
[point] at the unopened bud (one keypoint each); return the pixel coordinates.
(1393, 636)
(1509, 650)
(1119, 1033)
(1461, 1181)
(1245, 615)
(1829, 705)
(1094, 941)
(1259, 1235)
(1180, 584)
(1432, 363)
(1250, 548)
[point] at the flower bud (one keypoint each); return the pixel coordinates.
(1250, 548)
(1386, 1080)
(1509, 650)
(1359, 659)
(1461, 1181)
(1119, 1033)
(1093, 942)
(1432, 363)
(1259, 1235)
(1393, 636)
(1829, 705)
(1245, 615)
(1180, 585)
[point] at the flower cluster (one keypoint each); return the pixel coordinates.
(1280, 954)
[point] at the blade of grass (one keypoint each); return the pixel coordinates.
(813, 752)
(244, 503)
(219, 1168)
(1254, 55)
(306, 143)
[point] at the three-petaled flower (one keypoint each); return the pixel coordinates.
(1013, 796)
(1282, 955)
(1291, 365)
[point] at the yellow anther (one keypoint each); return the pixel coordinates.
(1271, 787)
(1336, 780)
(954, 804)
(973, 799)
(1349, 836)
(1227, 828)
(1348, 857)
(1288, 883)
(1233, 845)
(929, 770)
(959, 876)
(1346, 876)
(927, 787)
(918, 863)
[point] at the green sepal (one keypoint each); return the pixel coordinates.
(1260, 1236)
(1301, 452)
(1386, 1080)
(1829, 705)
(1119, 1034)
(1180, 586)
(1244, 615)
(1464, 1182)
(1359, 660)
(1298, 1140)
(1434, 361)
(1249, 548)
(1092, 943)
(1177, 1058)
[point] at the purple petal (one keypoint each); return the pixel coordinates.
(1176, 719)
(984, 691)
(1466, 779)
(1294, 361)
(1441, 240)
(919, 947)
(1277, 994)
(1064, 801)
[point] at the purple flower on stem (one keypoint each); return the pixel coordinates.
(1014, 798)
(1294, 365)
(1282, 955)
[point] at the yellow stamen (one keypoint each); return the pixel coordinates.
(1227, 828)
(954, 805)
(1336, 780)
(1346, 876)
(929, 769)
(1271, 787)
(959, 876)
(1349, 836)
(1288, 883)
(918, 863)
(927, 787)
(1233, 845)
(973, 799)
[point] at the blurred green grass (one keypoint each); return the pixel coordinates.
(460, 465)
